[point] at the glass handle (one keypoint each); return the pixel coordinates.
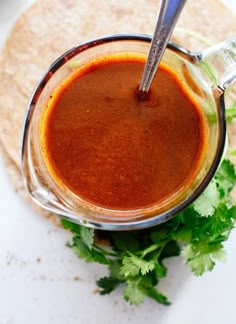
(219, 63)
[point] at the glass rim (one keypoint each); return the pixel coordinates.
(122, 224)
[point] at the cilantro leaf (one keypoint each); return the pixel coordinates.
(198, 263)
(138, 288)
(134, 292)
(225, 178)
(114, 269)
(231, 113)
(99, 257)
(222, 223)
(208, 201)
(133, 265)
(90, 255)
(160, 270)
(73, 227)
(107, 284)
(202, 261)
(157, 296)
(183, 234)
(82, 251)
(87, 236)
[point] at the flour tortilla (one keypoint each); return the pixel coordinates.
(49, 28)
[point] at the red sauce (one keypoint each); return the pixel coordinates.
(115, 150)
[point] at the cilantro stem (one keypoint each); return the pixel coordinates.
(153, 248)
(106, 252)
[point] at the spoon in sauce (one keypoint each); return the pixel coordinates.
(168, 17)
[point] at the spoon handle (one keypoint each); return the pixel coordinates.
(168, 16)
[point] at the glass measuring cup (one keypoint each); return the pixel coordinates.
(206, 74)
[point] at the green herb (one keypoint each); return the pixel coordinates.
(136, 259)
(73, 65)
(231, 113)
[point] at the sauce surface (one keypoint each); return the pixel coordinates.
(103, 143)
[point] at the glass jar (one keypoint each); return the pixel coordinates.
(206, 75)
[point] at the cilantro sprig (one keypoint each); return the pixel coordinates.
(136, 259)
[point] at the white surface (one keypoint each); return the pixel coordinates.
(38, 273)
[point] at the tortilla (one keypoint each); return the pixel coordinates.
(49, 28)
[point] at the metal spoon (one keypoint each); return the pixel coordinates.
(168, 17)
